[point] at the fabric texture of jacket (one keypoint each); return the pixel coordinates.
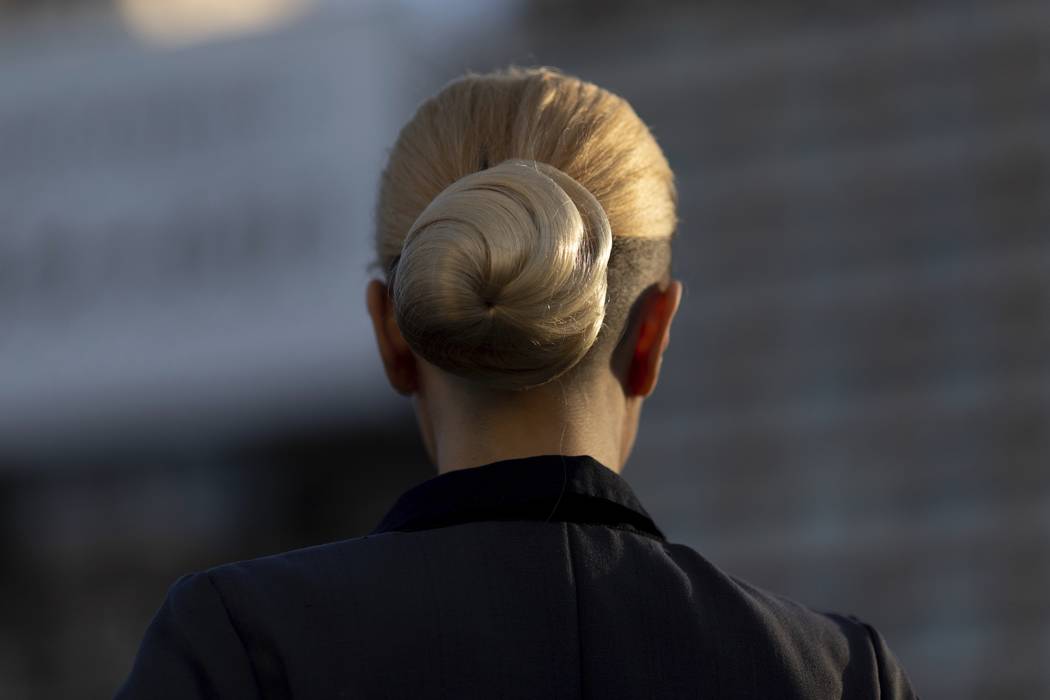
(538, 577)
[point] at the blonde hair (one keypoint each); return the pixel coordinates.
(516, 211)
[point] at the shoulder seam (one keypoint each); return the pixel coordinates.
(879, 664)
(233, 626)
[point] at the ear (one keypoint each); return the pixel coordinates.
(400, 364)
(653, 323)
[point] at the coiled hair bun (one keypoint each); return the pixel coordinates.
(502, 279)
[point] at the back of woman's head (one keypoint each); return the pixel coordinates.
(520, 214)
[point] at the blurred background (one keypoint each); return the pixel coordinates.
(855, 409)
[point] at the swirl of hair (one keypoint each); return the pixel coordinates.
(502, 279)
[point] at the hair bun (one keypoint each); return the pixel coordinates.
(502, 278)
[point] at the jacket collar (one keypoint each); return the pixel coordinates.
(562, 488)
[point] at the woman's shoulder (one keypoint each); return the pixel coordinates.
(305, 567)
(825, 646)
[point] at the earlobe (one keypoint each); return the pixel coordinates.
(398, 361)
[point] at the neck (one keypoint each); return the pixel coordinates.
(465, 428)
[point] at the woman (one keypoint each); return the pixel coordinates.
(524, 227)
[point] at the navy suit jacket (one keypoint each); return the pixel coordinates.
(539, 577)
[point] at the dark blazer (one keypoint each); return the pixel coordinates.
(541, 577)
